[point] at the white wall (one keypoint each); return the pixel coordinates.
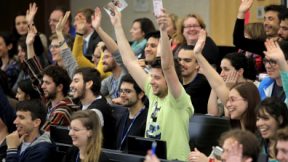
(179, 7)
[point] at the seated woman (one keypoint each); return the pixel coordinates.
(235, 68)
(188, 33)
(272, 114)
(140, 28)
(86, 134)
(25, 91)
(241, 100)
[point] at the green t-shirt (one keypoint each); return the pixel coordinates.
(168, 120)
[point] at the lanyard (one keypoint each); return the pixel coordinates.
(125, 135)
(77, 157)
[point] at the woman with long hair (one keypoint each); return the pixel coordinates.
(86, 134)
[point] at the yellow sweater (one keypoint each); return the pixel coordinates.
(82, 61)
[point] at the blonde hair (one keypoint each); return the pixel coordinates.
(175, 22)
(255, 31)
(180, 28)
(91, 121)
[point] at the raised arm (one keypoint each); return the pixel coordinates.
(167, 61)
(239, 40)
(70, 63)
(128, 57)
(274, 53)
(215, 80)
(96, 22)
(32, 31)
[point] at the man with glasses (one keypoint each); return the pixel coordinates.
(272, 86)
(133, 121)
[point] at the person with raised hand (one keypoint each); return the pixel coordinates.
(69, 61)
(77, 51)
(170, 106)
(30, 13)
(111, 61)
(271, 25)
(240, 101)
(274, 53)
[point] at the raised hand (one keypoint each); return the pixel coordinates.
(116, 18)
(31, 12)
(200, 42)
(162, 20)
(32, 31)
(80, 25)
(245, 5)
(96, 18)
(60, 25)
(274, 51)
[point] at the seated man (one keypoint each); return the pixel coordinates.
(133, 121)
(28, 143)
(272, 86)
(195, 84)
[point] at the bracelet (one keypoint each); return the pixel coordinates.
(79, 34)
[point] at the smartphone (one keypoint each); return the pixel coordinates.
(217, 152)
(158, 6)
(153, 148)
(119, 4)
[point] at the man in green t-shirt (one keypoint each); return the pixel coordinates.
(169, 106)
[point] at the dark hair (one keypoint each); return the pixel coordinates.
(14, 33)
(27, 87)
(274, 107)
(249, 92)
(22, 43)
(87, 12)
(4, 84)
(146, 25)
(91, 74)
(239, 61)
(8, 41)
(284, 15)
(154, 34)
(284, 47)
(128, 78)
(251, 145)
(280, 9)
(35, 107)
(59, 76)
(157, 64)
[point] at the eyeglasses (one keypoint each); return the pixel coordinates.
(271, 62)
(53, 46)
(191, 26)
(125, 91)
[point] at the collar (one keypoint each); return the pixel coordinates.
(87, 38)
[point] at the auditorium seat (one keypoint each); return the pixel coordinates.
(205, 130)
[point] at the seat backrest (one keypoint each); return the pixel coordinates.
(205, 130)
(60, 136)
